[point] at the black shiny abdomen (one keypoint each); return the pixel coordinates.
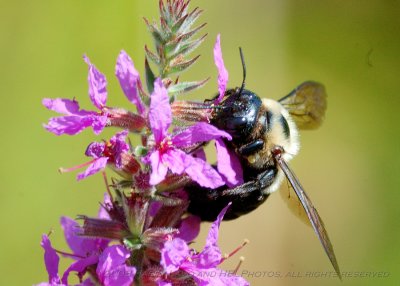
(208, 203)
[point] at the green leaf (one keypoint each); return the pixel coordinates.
(149, 76)
(189, 21)
(185, 87)
(167, 34)
(186, 36)
(179, 67)
(187, 48)
(174, 44)
(157, 35)
(163, 12)
(183, 9)
(152, 56)
(179, 24)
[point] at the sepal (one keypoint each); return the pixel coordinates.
(184, 87)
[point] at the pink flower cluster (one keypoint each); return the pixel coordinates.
(138, 237)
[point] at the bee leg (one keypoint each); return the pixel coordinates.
(251, 147)
(207, 203)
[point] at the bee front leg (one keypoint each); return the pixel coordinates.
(251, 147)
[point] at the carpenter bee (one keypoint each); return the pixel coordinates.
(264, 137)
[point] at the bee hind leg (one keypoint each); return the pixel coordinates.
(207, 203)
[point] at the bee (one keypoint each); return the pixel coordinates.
(265, 138)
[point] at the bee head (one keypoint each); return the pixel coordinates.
(238, 113)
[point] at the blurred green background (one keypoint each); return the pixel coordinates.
(350, 167)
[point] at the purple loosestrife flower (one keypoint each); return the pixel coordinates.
(189, 228)
(104, 153)
(112, 269)
(176, 255)
(228, 164)
(110, 261)
(166, 154)
(111, 266)
(75, 119)
(51, 260)
(222, 72)
(129, 79)
(85, 251)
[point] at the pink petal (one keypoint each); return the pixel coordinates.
(80, 245)
(75, 242)
(112, 269)
(119, 146)
(228, 164)
(201, 154)
(160, 114)
(79, 267)
(214, 276)
(97, 165)
(158, 169)
(87, 282)
(70, 125)
(128, 78)
(202, 173)
(99, 122)
(173, 254)
(212, 236)
(51, 260)
(65, 106)
(205, 276)
(189, 228)
(95, 149)
(97, 85)
(103, 212)
(200, 132)
(197, 169)
(163, 283)
(175, 160)
(233, 280)
(211, 254)
(222, 72)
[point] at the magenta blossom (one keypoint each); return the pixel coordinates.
(167, 155)
(222, 72)
(189, 228)
(228, 165)
(51, 260)
(103, 153)
(112, 269)
(85, 251)
(110, 261)
(177, 256)
(129, 80)
(75, 119)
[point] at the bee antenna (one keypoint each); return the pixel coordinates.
(244, 70)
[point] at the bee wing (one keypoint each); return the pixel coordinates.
(312, 214)
(306, 104)
(292, 201)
